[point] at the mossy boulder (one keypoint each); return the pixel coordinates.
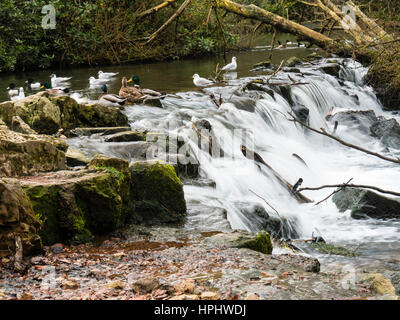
(75, 205)
(260, 242)
(23, 154)
(37, 111)
(17, 218)
(366, 204)
(157, 193)
(74, 115)
(19, 125)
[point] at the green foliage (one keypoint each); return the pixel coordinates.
(94, 32)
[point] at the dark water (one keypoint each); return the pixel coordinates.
(169, 77)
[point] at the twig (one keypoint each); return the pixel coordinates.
(276, 71)
(360, 186)
(276, 211)
(336, 191)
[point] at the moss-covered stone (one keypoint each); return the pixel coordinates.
(74, 205)
(23, 154)
(74, 115)
(260, 242)
(157, 193)
(37, 111)
(17, 218)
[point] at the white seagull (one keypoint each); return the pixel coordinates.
(55, 81)
(230, 66)
(201, 82)
(106, 75)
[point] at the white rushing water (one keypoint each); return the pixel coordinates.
(276, 139)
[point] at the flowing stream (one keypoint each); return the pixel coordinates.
(261, 118)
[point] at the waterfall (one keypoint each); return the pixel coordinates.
(261, 118)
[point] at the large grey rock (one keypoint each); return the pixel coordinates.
(259, 219)
(366, 204)
(23, 154)
(388, 131)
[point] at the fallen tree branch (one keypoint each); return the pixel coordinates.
(154, 9)
(172, 18)
(334, 192)
(347, 144)
(360, 186)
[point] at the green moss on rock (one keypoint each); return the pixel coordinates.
(74, 115)
(17, 218)
(157, 193)
(260, 242)
(75, 205)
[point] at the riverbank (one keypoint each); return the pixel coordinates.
(140, 263)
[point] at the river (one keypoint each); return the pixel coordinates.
(274, 138)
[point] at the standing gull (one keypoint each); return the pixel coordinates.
(230, 66)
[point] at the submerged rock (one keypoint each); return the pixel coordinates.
(267, 64)
(259, 219)
(388, 131)
(157, 193)
(301, 112)
(366, 204)
(360, 120)
(17, 218)
(23, 154)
